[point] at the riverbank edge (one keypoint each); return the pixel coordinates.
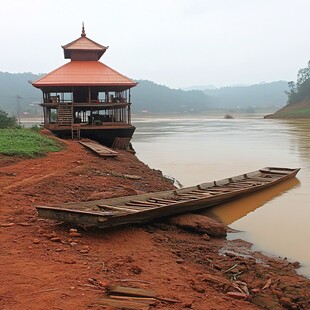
(184, 255)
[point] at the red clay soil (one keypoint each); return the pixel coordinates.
(43, 267)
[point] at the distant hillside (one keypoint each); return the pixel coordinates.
(17, 85)
(147, 96)
(151, 97)
(264, 95)
(16, 93)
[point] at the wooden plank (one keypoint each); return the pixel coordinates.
(163, 200)
(117, 208)
(147, 203)
(279, 172)
(189, 196)
(144, 300)
(130, 291)
(140, 206)
(123, 304)
(99, 149)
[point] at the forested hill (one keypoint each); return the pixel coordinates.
(147, 96)
(17, 94)
(15, 88)
(264, 95)
(298, 97)
(155, 98)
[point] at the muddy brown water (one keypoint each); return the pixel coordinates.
(198, 149)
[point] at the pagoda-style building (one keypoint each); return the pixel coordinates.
(86, 98)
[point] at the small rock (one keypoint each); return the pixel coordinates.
(296, 265)
(69, 262)
(73, 243)
(188, 305)
(51, 235)
(55, 239)
(180, 261)
(59, 250)
(136, 270)
(200, 223)
(36, 241)
(206, 237)
(84, 251)
(198, 288)
(286, 302)
(278, 293)
(93, 281)
(255, 290)
(229, 254)
(73, 230)
(103, 283)
(74, 234)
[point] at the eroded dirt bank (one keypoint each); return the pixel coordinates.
(42, 266)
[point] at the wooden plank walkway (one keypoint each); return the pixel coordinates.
(99, 149)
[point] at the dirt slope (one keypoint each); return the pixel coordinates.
(43, 267)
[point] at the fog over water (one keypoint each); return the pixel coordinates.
(198, 149)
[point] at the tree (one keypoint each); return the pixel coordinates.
(7, 121)
(301, 89)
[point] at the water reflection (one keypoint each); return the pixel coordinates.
(300, 137)
(232, 211)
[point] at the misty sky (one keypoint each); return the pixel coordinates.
(178, 43)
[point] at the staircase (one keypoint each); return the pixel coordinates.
(65, 115)
(76, 133)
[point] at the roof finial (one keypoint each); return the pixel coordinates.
(83, 34)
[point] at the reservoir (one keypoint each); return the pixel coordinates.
(198, 149)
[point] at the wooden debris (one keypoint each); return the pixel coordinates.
(117, 208)
(215, 279)
(132, 294)
(242, 287)
(136, 280)
(123, 304)
(144, 300)
(231, 268)
(132, 177)
(267, 285)
(7, 224)
(130, 291)
(47, 290)
(238, 295)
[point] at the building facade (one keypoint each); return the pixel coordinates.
(86, 98)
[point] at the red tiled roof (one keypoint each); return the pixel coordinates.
(83, 44)
(84, 73)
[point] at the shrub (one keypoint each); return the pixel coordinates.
(7, 121)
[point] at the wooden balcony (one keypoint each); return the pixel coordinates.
(88, 105)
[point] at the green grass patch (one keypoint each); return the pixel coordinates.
(26, 143)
